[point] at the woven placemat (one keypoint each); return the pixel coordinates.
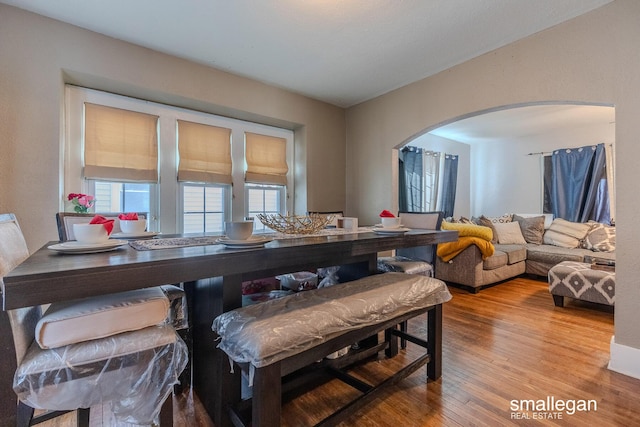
(173, 242)
(182, 242)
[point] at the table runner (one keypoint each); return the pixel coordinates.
(183, 242)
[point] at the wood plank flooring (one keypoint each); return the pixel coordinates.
(508, 342)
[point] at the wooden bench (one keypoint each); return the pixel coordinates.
(274, 339)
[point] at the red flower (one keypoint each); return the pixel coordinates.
(81, 202)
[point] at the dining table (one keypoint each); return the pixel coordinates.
(212, 274)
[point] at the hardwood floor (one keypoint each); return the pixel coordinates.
(508, 342)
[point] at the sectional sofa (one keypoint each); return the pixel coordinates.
(534, 250)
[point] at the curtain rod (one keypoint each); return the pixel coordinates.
(541, 153)
(544, 153)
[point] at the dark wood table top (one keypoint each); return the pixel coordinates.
(47, 276)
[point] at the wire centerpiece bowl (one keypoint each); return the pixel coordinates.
(295, 224)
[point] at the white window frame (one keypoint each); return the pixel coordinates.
(165, 205)
(282, 196)
(280, 188)
(227, 201)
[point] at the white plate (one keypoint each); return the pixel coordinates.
(74, 247)
(382, 226)
(143, 235)
(399, 230)
(251, 242)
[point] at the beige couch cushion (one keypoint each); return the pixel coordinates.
(566, 234)
(550, 254)
(497, 260)
(72, 322)
(509, 233)
(515, 253)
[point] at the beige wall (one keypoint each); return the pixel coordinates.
(39, 55)
(593, 58)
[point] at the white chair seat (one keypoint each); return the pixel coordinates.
(71, 322)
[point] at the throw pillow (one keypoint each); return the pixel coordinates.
(469, 230)
(601, 238)
(566, 234)
(509, 233)
(486, 222)
(501, 219)
(532, 228)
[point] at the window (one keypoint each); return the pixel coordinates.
(203, 208)
(427, 180)
(198, 178)
(576, 183)
(264, 199)
(121, 196)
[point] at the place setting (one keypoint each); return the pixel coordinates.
(390, 224)
(90, 238)
(133, 228)
(239, 235)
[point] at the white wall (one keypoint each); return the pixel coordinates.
(505, 179)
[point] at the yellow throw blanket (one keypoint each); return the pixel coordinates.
(447, 251)
(469, 230)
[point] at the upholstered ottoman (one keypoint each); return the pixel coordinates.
(578, 280)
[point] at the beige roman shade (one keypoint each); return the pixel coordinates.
(120, 145)
(266, 158)
(205, 153)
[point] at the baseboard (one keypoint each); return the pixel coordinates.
(624, 359)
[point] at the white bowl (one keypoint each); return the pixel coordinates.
(133, 226)
(238, 230)
(90, 233)
(388, 222)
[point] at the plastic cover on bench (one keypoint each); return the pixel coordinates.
(265, 333)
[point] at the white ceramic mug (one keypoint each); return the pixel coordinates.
(238, 230)
(390, 222)
(133, 226)
(90, 233)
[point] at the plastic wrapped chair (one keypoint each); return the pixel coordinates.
(178, 312)
(418, 260)
(85, 352)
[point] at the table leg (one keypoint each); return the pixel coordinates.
(8, 399)
(434, 341)
(212, 380)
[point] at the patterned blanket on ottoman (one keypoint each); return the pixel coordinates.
(578, 280)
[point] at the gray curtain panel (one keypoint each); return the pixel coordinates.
(449, 183)
(578, 188)
(410, 179)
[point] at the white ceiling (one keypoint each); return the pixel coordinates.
(340, 51)
(529, 122)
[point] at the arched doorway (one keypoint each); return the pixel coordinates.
(500, 166)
